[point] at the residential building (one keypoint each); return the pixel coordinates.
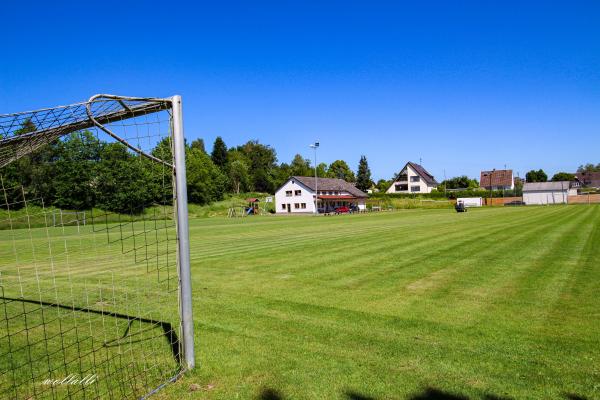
(588, 179)
(497, 179)
(413, 178)
(297, 195)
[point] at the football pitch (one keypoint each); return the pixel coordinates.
(419, 304)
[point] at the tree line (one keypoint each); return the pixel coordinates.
(80, 171)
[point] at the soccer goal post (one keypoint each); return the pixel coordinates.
(95, 281)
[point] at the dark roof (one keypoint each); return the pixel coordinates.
(427, 177)
(497, 177)
(329, 184)
(589, 178)
(545, 186)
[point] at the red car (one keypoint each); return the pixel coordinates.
(342, 210)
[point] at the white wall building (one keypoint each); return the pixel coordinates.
(413, 178)
(547, 192)
(297, 195)
(470, 201)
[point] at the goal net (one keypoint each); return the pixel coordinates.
(95, 296)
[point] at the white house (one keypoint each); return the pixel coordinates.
(413, 178)
(547, 192)
(297, 195)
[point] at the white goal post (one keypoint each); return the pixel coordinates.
(95, 279)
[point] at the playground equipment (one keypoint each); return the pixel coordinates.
(253, 206)
(235, 212)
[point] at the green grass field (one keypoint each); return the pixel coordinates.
(500, 302)
(416, 304)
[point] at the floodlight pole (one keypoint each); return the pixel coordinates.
(315, 146)
(185, 277)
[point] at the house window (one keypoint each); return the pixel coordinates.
(415, 179)
(296, 205)
(303, 206)
(402, 178)
(297, 192)
(415, 188)
(288, 193)
(283, 206)
(401, 188)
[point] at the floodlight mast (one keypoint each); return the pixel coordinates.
(315, 146)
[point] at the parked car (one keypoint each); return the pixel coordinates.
(515, 203)
(342, 210)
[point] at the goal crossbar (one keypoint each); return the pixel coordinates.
(14, 146)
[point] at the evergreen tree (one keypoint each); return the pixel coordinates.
(198, 144)
(219, 153)
(363, 175)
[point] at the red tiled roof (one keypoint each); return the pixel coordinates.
(589, 178)
(497, 177)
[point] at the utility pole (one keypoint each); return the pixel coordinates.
(504, 186)
(315, 146)
(491, 198)
(445, 182)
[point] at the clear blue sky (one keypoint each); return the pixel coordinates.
(464, 87)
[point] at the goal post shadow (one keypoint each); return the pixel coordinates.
(169, 332)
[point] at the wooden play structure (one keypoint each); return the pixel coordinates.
(251, 208)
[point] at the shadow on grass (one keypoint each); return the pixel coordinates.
(168, 331)
(429, 393)
(436, 394)
(358, 396)
(269, 394)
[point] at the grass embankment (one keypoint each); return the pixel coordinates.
(403, 203)
(35, 216)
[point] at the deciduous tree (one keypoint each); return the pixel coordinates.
(339, 169)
